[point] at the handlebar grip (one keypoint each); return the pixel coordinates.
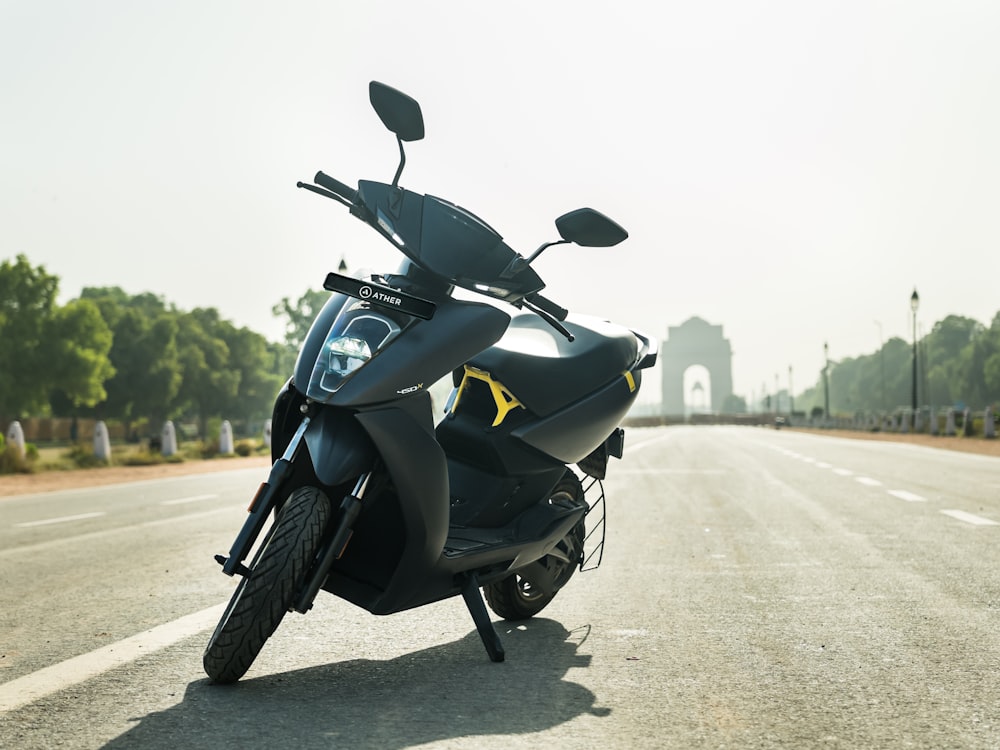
(557, 312)
(336, 186)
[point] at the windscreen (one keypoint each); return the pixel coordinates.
(450, 241)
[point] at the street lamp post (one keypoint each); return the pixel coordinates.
(791, 394)
(881, 357)
(826, 382)
(914, 304)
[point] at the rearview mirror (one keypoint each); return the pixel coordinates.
(589, 228)
(397, 111)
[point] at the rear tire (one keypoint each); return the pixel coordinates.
(262, 598)
(513, 597)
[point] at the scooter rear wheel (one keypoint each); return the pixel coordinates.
(263, 597)
(514, 597)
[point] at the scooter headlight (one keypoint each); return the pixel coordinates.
(345, 354)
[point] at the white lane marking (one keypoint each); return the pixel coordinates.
(844, 472)
(60, 519)
(868, 481)
(670, 471)
(807, 459)
(823, 465)
(908, 496)
(44, 682)
(192, 516)
(961, 515)
(93, 535)
(192, 499)
(56, 494)
(645, 443)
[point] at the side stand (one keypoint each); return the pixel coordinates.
(477, 608)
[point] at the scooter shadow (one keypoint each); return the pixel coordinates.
(448, 691)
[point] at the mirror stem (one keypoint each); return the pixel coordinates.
(546, 245)
(402, 162)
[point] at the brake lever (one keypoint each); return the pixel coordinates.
(550, 320)
(324, 192)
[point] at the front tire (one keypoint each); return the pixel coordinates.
(262, 598)
(514, 597)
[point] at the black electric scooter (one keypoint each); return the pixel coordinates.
(374, 503)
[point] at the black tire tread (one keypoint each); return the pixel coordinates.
(261, 601)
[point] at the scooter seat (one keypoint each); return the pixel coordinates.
(545, 371)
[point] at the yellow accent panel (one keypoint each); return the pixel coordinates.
(505, 400)
(630, 380)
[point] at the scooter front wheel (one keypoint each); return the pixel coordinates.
(264, 596)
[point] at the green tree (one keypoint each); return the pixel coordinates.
(208, 382)
(144, 354)
(79, 342)
(252, 358)
(991, 368)
(27, 299)
(45, 348)
(942, 351)
(300, 314)
(733, 404)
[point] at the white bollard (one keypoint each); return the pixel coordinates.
(935, 429)
(267, 433)
(967, 422)
(904, 423)
(168, 439)
(989, 429)
(102, 442)
(949, 423)
(15, 436)
(918, 422)
(226, 439)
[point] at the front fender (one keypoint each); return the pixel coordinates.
(339, 448)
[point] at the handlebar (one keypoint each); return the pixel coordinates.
(331, 187)
(336, 186)
(547, 305)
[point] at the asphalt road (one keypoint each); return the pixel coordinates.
(759, 589)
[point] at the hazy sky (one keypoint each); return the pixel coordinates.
(790, 170)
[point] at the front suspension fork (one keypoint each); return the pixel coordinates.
(262, 504)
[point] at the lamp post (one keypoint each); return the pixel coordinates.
(914, 304)
(826, 382)
(881, 356)
(791, 394)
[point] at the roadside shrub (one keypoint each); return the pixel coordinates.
(143, 458)
(207, 448)
(83, 457)
(245, 448)
(12, 462)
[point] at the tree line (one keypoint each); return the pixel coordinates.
(136, 358)
(958, 364)
(133, 358)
